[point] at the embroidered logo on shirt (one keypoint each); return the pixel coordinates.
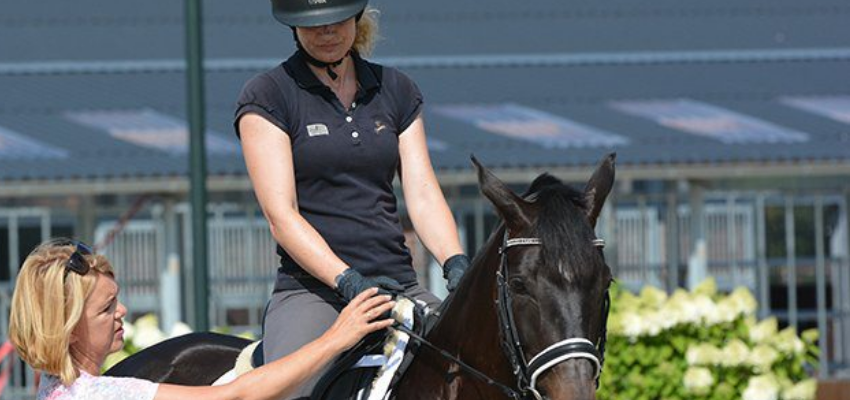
(379, 126)
(317, 130)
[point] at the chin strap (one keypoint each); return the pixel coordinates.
(328, 66)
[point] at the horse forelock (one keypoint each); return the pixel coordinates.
(564, 229)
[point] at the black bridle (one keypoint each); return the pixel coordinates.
(527, 373)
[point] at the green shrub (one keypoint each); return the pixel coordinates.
(702, 345)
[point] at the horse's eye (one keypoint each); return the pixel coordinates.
(518, 286)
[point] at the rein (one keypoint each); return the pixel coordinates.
(527, 373)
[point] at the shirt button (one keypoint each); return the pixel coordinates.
(355, 135)
(349, 119)
(354, 104)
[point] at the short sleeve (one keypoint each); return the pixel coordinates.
(104, 387)
(409, 101)
(262, 96)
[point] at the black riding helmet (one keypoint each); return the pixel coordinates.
(309, 13)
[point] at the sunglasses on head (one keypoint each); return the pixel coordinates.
(77, 261)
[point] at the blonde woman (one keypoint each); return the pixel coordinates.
(66, 318)
(324, 134)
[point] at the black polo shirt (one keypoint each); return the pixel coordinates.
(345, 161)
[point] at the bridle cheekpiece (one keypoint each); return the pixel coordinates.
(527, 373)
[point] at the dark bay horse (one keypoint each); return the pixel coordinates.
(527, 321)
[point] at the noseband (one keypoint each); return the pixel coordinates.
(527, 373)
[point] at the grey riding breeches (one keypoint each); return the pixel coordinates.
(298, 316)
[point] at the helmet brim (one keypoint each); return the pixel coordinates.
(320, 17)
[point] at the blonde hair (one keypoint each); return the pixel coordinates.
(47, 305)
(367, 32)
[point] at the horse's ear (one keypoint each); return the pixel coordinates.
(598, 187)
(507, 203)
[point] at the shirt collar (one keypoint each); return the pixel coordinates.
(297, 67)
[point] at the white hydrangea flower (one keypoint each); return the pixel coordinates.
(787, 341)
(179, 329)
(129, 330)
(148, 337)
(764, 330)
(761, 387)
(735, 353)
(654, 322)
(804, 390)
(147, 321)
(707, 287)
(669, 316)
(726, 311)
(762, 358)
(684, 308)
(703, 354)
(147, 332)
(633, 325)
(706, 309)
(698, 380)
(743, 301)
(652, 297)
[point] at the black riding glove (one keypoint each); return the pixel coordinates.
(453, 270)
(350, 283)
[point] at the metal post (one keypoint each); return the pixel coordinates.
(169, 273)
(820, 281)
(14, 247)
(86, 219)
(46, 225)
(647, 276)
(844, 285)
(761, 255)
(609, 214)
(791, 259)
(697, 263)
(479, 222)
(197, 156)
(732, 240)
(672, 242)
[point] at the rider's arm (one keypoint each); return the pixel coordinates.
(426, 205)
(268, 156)
(275, 380)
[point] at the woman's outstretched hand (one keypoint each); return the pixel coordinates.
(360, 318)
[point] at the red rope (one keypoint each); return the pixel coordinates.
(122, 222)
(5, 351)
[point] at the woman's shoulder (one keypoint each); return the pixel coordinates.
(272, 79)
(387, 74)
(97, 387)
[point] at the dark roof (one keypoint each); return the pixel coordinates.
(153, 29)
(563, 61)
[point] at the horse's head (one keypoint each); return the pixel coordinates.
(556, 286)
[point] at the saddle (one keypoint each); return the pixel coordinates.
(366, 372)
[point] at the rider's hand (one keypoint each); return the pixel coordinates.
(350, 283)
(453, 270)
(359, 318)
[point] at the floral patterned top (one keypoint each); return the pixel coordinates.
(90, 387)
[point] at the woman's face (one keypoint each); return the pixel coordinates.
(100, 331)
(328, 43)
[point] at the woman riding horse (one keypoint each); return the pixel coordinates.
(324, 135)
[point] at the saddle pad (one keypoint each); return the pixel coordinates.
(394, 349)
(389, 363)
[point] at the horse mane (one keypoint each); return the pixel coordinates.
(563, 227)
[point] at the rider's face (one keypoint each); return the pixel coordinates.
(328, 43)
(100, 331)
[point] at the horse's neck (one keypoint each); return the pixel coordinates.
(468, 329)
